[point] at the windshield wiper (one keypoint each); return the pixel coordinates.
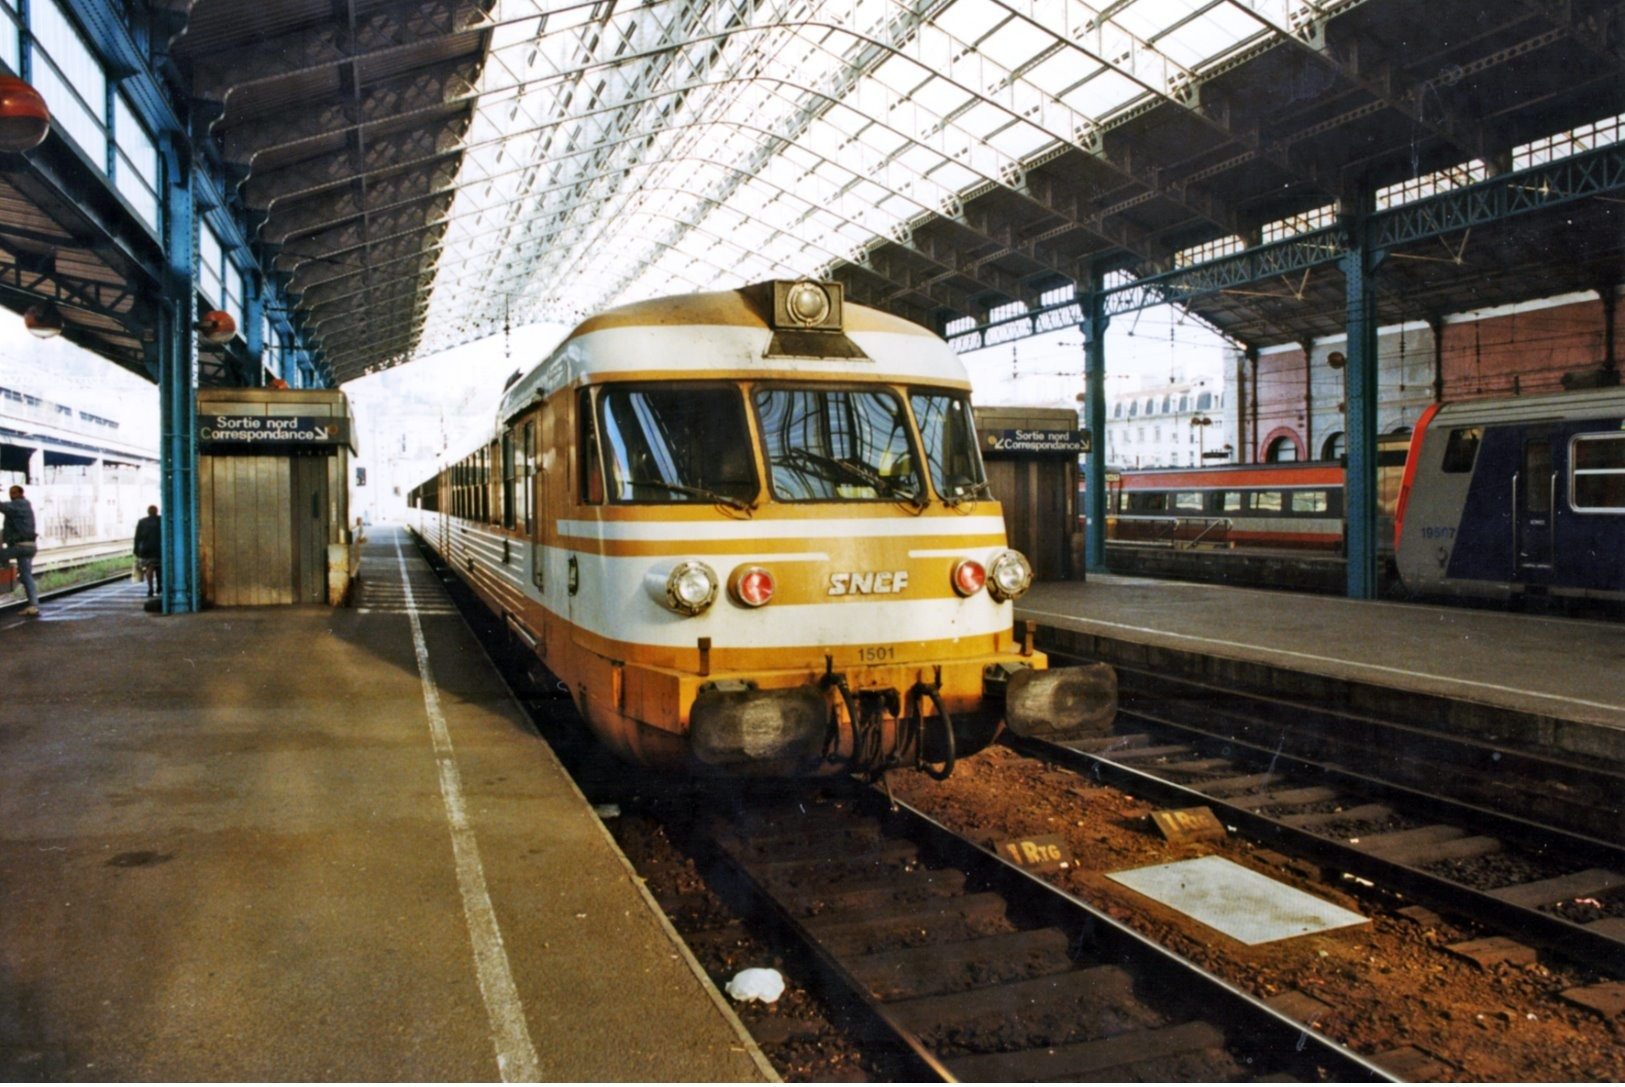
(860, 472)
(701, 492)
(967, 492)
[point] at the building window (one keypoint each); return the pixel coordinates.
(1281, 451)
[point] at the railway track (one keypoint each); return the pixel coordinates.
(964, 967)
(1281, 774)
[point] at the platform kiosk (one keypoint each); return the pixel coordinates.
(273, 496)
(1032, 466)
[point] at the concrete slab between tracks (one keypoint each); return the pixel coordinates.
(315, 844)
(1540, 682)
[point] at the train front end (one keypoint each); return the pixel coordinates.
(788, 562)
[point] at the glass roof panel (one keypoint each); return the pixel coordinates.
(676, 144)
(1016, 43)
(1063, 71)
(969, 20)
(1210, 35)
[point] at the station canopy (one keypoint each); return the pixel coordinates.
(424, 173)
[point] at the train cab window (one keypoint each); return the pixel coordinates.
(676, 443)
(826, 444)
(592, 464)
(949, 438)
(1597, 473)
(1461, 449)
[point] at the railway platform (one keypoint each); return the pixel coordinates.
(303, 843)
(1548, 683)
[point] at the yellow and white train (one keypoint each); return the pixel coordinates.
(750, 531)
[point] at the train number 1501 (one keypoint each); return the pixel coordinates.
(876, 654)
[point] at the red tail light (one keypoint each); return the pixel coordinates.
(969, 577)
(752, 586)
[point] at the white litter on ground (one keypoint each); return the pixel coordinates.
(757, 983)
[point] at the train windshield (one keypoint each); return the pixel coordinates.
(676, 444)
(832, 444)
(950, 443)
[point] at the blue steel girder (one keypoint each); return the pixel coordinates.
(1600, 172)
(1596, 173)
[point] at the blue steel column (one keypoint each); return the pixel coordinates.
(178, 381)
(254, 334)
(1093, 303)
(1360, 392)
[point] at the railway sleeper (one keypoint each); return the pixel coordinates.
(1360, 813)
(1547, 892)
(1029, 1006)
(946, 920)
(1095, 1060)
(1455, 849)
(875, 893)
(944, 968)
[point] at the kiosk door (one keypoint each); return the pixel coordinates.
(308, 514)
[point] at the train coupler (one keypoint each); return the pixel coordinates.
(1077, 700)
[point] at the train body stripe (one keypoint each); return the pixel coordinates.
(758, 530)
(1413, 457)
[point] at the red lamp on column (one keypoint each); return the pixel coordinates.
(43, 320)
(216, 326)
(24, 120)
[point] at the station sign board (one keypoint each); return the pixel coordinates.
(255, 431)
(1023, 442)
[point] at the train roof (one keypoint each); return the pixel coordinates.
(1580, 404)
(738, 331)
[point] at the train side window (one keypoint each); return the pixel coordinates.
(527, 471)
(508, 510)
(1230, 501)
(1188, 501)
(1461, 449)
(1537, 475)
(1309, 502)
(1265, 501)
(1145, 501)
(1597, 473)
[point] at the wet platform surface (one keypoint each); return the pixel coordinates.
(314, 844)
(1556, 681)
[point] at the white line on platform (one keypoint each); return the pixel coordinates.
(516, 1056)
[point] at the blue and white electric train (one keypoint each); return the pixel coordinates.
(1516, 497)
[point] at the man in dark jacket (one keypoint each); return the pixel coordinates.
(149, 548)
(20, 538)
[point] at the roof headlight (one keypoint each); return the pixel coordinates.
(687, 589)
(1010, 576)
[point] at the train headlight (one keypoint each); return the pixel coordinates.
(969, 577)
(1010, 576)
(688, 589)
(751, 586)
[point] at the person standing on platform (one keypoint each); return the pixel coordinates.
(149, 549)
(20, 539)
